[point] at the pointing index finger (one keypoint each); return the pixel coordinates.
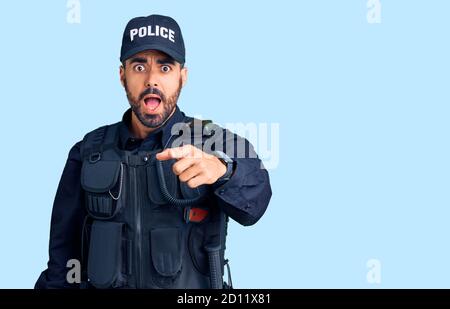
(175, 153)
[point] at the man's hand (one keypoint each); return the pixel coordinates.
(194, 166)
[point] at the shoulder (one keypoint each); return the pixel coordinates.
(101, 131)
(102, 135)
(92, 136)
(75, 153)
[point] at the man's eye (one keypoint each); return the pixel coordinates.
(165, 68)
(139, 68)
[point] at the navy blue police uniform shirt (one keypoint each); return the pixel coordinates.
(244, 197)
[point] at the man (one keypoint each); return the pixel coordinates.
(144, 203)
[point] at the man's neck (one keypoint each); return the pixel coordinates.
(138, 130)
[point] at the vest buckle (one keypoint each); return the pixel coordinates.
(194, 214)
(95, 157)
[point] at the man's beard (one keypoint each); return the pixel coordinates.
(153, 121)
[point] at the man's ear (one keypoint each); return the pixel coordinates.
(184, 75)
(122, 75)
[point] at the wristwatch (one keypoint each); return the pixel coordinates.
(229, 163)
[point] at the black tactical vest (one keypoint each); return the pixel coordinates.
(145, 228)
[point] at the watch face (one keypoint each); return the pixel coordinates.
(228, 163)
(229, 170)
(223, 157)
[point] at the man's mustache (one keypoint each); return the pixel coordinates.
(152, 90)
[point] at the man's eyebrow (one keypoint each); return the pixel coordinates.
(138, 60)
(167, 60)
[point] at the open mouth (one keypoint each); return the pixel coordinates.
(152, 101)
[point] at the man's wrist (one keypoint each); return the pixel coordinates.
(229, 165)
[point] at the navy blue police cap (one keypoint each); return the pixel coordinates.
(155, 32)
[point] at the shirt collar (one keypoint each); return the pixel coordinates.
(160, 135)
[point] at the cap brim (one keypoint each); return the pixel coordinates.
(172, 53)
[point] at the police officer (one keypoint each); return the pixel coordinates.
(144, 203)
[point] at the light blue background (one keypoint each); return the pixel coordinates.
(363, 112)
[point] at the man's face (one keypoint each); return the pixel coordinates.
(152, 81)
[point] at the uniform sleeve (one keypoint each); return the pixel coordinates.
(66, 225)
(246, 195)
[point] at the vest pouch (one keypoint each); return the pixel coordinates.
(166, 255)
(153, 184)
(196, 246)
(103, 183)
(106, 255)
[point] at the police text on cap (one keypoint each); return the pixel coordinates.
(158, 31)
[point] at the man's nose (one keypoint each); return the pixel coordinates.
(152, 79)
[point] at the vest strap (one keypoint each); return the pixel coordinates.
(99, 140)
